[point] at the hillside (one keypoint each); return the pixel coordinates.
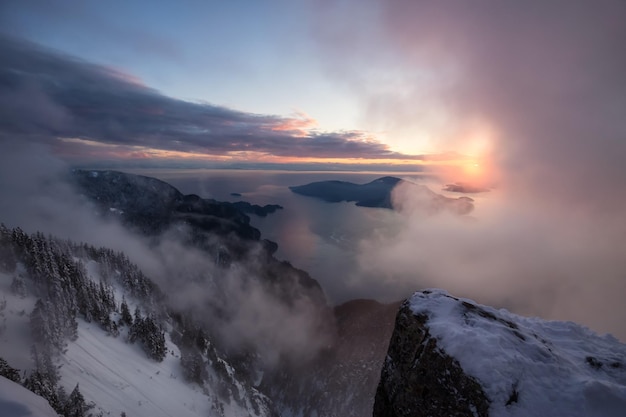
(233, 331)
(68, 323)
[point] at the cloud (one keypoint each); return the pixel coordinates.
(58, 97)
(542, 80)
(236, 303)
(538, 87)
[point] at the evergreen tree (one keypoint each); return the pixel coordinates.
(43, 381)
(193, 366)
(153, 339)
(9, 372)
(126, 318)
(75, 405)
(62, 396)
(136, 330)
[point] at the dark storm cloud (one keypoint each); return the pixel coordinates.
(49, 94)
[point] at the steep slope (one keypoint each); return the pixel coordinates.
(342, 378)
(67, 323)
(72, 303)
(453, 357)
(258, 339)
(151, 207)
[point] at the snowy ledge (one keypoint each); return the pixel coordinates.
(527, 366)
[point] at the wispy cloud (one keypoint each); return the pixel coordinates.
(53, 97)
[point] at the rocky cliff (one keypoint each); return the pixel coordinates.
(452, 357)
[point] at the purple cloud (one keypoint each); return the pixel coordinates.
(50, 95)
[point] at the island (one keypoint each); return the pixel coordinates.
(378, 194)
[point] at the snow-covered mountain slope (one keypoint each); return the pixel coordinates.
(451, 356)
(15, 400)
(66, 324)
(119, 378)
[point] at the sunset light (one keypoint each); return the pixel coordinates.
(313, 208)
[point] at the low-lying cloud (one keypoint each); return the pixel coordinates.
(91, 112)
(546, 81)
(37, 197)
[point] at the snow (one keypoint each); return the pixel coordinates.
(557, 368)
(120, 378)
(17, 401)
(115, 375)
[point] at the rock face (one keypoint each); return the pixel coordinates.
(452, 357)
(419, 379)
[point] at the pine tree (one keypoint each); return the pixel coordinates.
(75, 405)
(153, 339)
(136, 330)
(9, 372)
(193, 366)
(62, 396)
(43, 381)
(126, 318)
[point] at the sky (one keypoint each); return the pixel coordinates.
(223, 82)
(416, 83)
(528, 98)
(340, 81)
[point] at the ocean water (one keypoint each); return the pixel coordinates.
(322, 238)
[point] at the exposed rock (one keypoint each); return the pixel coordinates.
(453, 357)
(419, 379)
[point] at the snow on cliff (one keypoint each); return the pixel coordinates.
(528, 366)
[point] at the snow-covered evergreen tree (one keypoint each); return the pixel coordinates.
(126, 319)
(9, 372)
(75, 406)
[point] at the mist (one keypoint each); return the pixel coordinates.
(536, 91)
(533, 90)
(38, 197)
